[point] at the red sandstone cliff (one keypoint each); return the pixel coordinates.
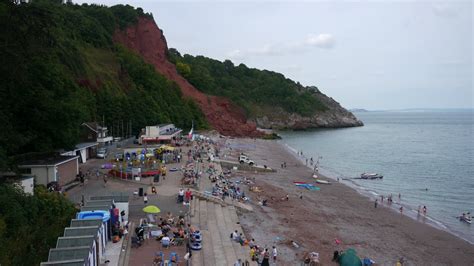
(146, 39)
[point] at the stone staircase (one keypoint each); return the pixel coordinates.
(217, 200)
(216, 222)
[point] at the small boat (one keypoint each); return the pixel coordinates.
(320, 181)
(465, 218)
(371, 176)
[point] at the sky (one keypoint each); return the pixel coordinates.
(366, 54)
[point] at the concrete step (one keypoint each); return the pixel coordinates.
(203, 215)
(207, 250)
(217, 244)
(197, 258)
(233, 214)
(239, 250)
(194, 213)
(225, 235)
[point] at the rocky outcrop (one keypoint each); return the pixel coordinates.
(146, 39)
(336, 116)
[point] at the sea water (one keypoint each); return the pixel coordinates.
(425, 156)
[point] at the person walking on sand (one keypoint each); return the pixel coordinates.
(274, 253)
(266, 258)
(105, 180)
(376, 203)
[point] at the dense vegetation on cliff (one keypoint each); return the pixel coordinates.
(30, 225)
(61, 68)
(250, 88)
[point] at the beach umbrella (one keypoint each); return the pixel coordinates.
(152, 209)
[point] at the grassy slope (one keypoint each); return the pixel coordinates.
(260, 92)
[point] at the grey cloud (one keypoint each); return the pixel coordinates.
(323, 40)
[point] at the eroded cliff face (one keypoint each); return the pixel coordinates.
(146, 39)
(335, 117)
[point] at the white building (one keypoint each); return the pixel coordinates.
(162, 133)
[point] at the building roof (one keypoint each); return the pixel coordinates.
(48, 161)
(95, 208)
(75, 241)
(75, 262)
(172, 132)
(84, 145)
(86, 222)
(99, 202)
(81, 231)
(94, 126)
(70, 253)
(165, 124)
(117, 198)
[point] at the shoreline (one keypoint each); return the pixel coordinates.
(371, 195)
(337, 211)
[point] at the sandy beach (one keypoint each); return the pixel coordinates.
(335, 212)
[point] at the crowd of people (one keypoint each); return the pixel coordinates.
(260, 254)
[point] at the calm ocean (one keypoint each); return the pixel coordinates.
(414, 150)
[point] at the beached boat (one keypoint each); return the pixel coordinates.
(371, 176)
(319, 181)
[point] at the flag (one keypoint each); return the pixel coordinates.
(190, 134)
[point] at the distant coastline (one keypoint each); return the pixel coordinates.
(362, 110)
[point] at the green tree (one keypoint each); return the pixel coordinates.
(30, 225)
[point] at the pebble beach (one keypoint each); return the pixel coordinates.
(336, 217)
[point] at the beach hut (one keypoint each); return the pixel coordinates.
(349, 258)
(62, 255)
(80, 241)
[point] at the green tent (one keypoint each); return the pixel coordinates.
(349, 258)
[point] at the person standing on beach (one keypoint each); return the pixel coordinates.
(424, 210)
(401, 209)
(306, 161)
(381, 198)
(376, 203)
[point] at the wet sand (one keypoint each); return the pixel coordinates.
(335, 212)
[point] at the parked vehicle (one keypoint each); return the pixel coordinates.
(102, 153)
(245, 159)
